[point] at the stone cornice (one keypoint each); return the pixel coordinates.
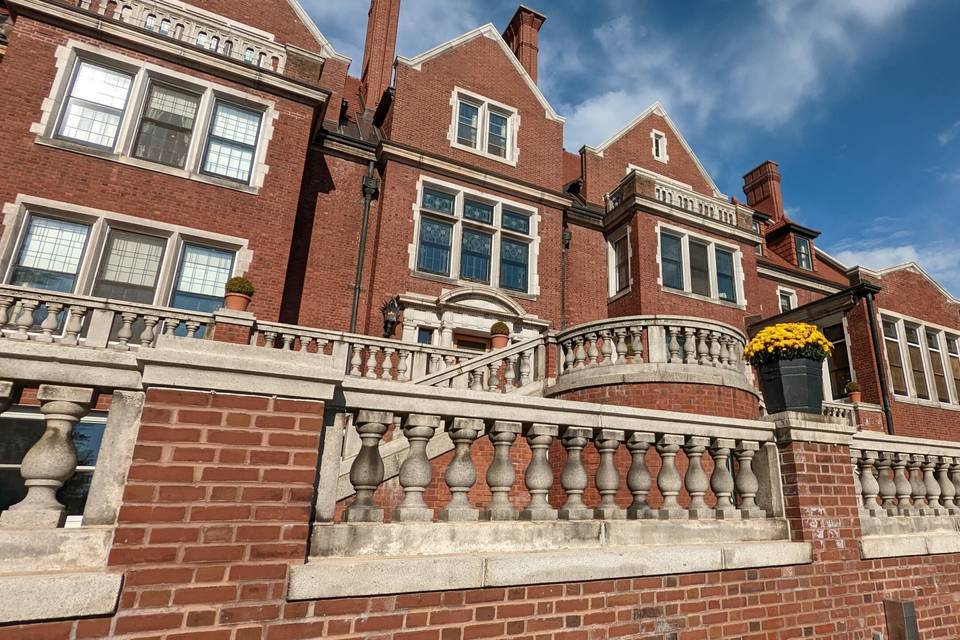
(648, 205)
(772, 272)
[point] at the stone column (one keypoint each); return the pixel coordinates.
(721, 481)
(51, 461)
(574, 478)
(366, 473)
(638, 476)
(500, 473)
(461, 474)
(746, 481)
(696, 479)
(539, 476)
(668, 480)
(416, 471)
(607, 442)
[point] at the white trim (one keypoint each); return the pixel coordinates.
(663, 156)
(612, 292)
(326, 48)
(797, 280)
(657, 109)
(488, 31)
(943, 333)
(67, 57)
(495, 229)
(793, 298)
(483, 105)
(712, 243)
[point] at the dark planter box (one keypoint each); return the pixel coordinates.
(792, 385)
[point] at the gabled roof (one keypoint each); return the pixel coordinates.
(657, 109)
(916, 268)
(488, 31)
(326, 49)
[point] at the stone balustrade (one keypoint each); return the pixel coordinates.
(841, 411)
(197, 27)
(504, 370)
(639, 182)
(70, 320)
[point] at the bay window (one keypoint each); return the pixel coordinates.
(483, 126)
(473, 238)
(699, 265)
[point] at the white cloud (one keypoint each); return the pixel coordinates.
(946, 136)
(939, 259)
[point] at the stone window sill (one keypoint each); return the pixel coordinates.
(372, 559)
(697, 296)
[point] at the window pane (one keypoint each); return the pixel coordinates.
(167, 126)
(699, 269)
(424, 336)
(478, 211)
(467, 122)
(803, 254)
(897, 376)
(497, 135)
(786, 302)
(229, 160)
(838, 364)
(475, 256)
(936, 364)
(622, 257)
(433, 254)
(86, 123)
(95, 105)
(515, 221)
(916, 363)
(955, 371)
(726, 285)
(671, 261)
(50, 255)
(438, 201)
(101, 86)
(514, 260)
(233, 139)
(130, 266)
(203, 273)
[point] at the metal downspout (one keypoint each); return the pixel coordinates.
(369, 190)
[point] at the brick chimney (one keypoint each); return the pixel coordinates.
(762, 188)
(522, 37)
(379, 50)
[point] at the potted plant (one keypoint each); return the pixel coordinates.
(238, 293)
(789, 357)
(499, 334)
(853, 392)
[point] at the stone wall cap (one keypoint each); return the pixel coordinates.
(56, 392)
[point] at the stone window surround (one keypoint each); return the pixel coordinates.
(686, 234)
(662, 156)
(533, 276)
(52, 106)
(793, 298)
(612, 239)
(485, 104)
(16, 215)
(953, 404)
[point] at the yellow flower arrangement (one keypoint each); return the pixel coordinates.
(787, 341)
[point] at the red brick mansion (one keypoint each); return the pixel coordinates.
(358, 454)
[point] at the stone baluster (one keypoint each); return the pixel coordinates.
(902, 481)
(147, 335)
(461, 474)
(917, 486)
(355, 359)
(695, 480)
(574, 478)
(476, 380)
(416, 471)
(435, 363)
(493, 373)
(192, 327)
(715, 348)
(525, 368)
(955, 477)
(305, 341)
(449, 362)
(5, 304)
(721, 480)
(673, 346)
(735, 348)
(580, 356)
(621, 345)
(286, 341)
(593, 354)
(855, 469)
(402, 366)
(366, 472)
(724, 351)
(538, 476)
(509, 374)
(321, 346)
(888, 487)
(689, 346)
(636, 341)
(668, 480)
(50, 322)
(932, 487)
(703, 349)
(127, 319)
(51, 461)
(370, 365)
(869, 484)
(607, 441)
(569, 355)
(171, 325)
(746, 481)
(71, 334)
(25, 318)
(388, 362)
(638, 475)
(947, 491)
(500, 473)
(606, 349)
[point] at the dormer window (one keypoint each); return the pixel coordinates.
(484, 127)
(804, 254)
(659, 141)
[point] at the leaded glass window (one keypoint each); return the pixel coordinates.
(95, 105)
(130, 266)
(439, 201)
(433, 254)
(232, 142)
(201, 277)
(514, 221)
(479, 211)
(514, 264)
(166, 125)
(50, 254)
(475, 256)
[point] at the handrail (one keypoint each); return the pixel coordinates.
(482, 362)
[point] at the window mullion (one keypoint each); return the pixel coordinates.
(685, 257)
(905, 358)
(712, 267)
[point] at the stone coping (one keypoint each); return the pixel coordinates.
(657, 372)
(792, 426)
(926, 544)
(364, 576)
(879, 441)
(38, 550)
(53, 596)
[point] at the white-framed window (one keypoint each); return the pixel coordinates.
(700, 266)
(787, 299)
(915, 358)
(138, 113)
(473, 238)
(758, 229)
(619, 253)
(891, 341)
(80, 251)
(937, 368)
(804, 254)
(838, 371)
(923, 359)
(658, 146)
(484, 127)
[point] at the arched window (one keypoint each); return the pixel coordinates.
(228, 48)
(202, 39)
(165, 27)
(215, 43)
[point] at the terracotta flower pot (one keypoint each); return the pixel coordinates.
(499, 341)
(236, 301)
(854, 397)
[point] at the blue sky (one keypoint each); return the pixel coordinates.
(858, 100)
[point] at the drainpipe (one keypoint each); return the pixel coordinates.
(567, 236)
(369, 186)
(878, 356)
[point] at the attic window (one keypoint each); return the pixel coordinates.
(484, 127)
(659, 142)
(804, 258)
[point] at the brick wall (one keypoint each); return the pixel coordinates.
(687, 398)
